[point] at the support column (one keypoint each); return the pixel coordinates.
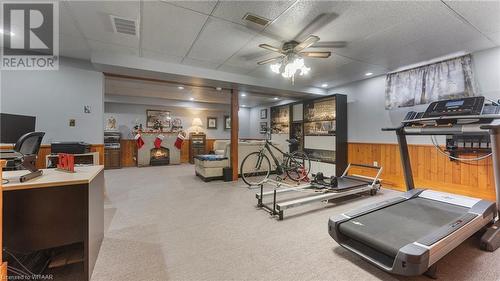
(234, 133)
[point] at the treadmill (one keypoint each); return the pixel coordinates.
(408, 234)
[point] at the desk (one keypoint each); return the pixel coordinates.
(54, 210)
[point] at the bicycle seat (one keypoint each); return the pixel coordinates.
(292, 141)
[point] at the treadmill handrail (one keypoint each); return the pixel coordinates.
(392, 129)
(490, 126)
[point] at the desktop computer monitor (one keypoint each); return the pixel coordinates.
(13, 126)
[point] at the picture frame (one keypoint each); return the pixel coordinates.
(263, 127)
(227, 122)
(154, 116)
(263, 113)
(211, 122)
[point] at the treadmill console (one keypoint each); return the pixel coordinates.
(455, 107)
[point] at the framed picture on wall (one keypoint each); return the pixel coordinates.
(263, 127)
(227, 122)
(263, 113)
(211, 122)
(157, 117)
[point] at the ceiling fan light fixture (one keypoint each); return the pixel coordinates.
(275, 67)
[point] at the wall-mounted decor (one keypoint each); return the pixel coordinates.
(111, 124)
(211, 122)
(227, 122)
(157, 118)
(263, 127)
(263, 113)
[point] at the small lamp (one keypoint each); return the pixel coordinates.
(197, 124)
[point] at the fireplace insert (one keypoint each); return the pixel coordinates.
(159, 156)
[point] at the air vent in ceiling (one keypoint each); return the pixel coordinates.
(124, 26)
(256, 19)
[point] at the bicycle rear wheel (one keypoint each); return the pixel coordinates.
(298, 166)
(255, 168)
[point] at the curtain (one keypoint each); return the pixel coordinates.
(443, 80)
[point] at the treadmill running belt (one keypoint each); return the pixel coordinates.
(393, 227)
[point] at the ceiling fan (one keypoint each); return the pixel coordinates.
(292, 53)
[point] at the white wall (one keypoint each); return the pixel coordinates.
(54, 97)
(254, 128)
(127, 114)
(366, 101)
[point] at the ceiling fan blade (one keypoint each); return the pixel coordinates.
(330, 44)
(270, 60)
(321, 55)
(270, 48)
(306, 43)
(319, 22)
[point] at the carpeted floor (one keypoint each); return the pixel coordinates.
(163, 223)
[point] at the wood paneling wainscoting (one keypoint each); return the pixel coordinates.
(45, 150)
(430, 169)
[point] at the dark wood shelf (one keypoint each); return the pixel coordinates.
(322, 120)
(320, 135)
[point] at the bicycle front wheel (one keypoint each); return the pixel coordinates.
(255, 168)
(298, 166)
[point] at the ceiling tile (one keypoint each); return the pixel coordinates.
(365, 18)
(302, 14)
(235, 10)
(66, 21)
(484, 15)
(93, 17)
(170, 29)
(219, 40)
(495, 37)
(205, 6)
(98, 46)
(237, 69)
(200, 63)
(438, 29)
(74, 46)
(251, 53)
(149, 54)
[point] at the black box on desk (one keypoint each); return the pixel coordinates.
(69, 147)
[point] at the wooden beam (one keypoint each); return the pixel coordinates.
(234, 133)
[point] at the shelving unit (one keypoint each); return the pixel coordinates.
(325, 134)
(297, 126)
(280, 125)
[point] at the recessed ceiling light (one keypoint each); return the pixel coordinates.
(243, 95)
(180, 88)
(243, 105)
(191, 99)
(368, 74)
(218, 89)
(276, 98)
(324, 85)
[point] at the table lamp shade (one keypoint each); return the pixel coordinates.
(197, 122)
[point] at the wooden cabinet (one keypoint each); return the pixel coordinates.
(197, 143)
(112, 158)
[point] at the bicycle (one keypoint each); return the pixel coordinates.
(256, 167)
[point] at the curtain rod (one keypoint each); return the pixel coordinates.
(427, 64)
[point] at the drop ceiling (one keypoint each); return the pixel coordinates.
(381, 35)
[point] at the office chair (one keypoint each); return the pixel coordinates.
(27, 146)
